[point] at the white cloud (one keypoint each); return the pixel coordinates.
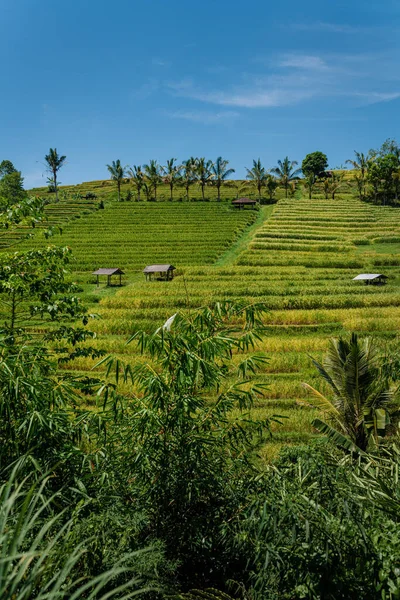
(253, 96)
(204, 117)
(297, 77)
(304, 61)
(337, 28)
(374, 97)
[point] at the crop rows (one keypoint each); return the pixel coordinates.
(57, 215)
(131, 235)
(300, 262)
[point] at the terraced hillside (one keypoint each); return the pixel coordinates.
(57, 214)
(300, 261)
(131, 235)
(326, 233)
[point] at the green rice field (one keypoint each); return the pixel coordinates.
(298, 257)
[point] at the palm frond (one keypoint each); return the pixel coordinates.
(335, 436)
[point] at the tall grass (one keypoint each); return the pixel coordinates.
(31, 530)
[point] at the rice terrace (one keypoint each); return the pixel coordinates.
(298, 256)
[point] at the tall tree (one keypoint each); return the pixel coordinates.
(117, 172)
(171, 174)
(286, 172)
(220, 173)
(380, 176)
(137, 177)
(189, 174)
(315, 163)
(204, 173)
(257, 176)
(11, 185)
(6, 168)
(389, 146)
(360, 164)
(361, 399)
(153, 174)
(54, 163)
(396, 182)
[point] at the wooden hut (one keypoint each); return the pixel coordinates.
(108, 273)
(371, 278)
(242, 202)
(161, 272)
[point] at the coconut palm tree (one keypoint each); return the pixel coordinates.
(326, 186)
(153, 174)
(361, 165)
(337, 181)
(189, 173)
(117, 172)
(220, 174)
(257, 176)
(359, 409)
(54, 163)
(286, 172)
(204, 173)
(171, 174)
(137, 177)
(271, 185)
(309, 183)
(238, 185)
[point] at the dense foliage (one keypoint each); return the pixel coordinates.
(179, 476)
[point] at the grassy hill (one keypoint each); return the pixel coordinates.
(298, 256)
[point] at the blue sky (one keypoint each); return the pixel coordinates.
(159, 79)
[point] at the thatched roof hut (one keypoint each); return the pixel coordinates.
(163, 272)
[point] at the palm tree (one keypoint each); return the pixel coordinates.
(189, 173)
(204, 173)
(361, 165)
(172, 174)
(337, 181)
(117, 172)
(54, 163)
(239, 186)
(257, 176)
(309, 183)
(137, 177)
(221, 173)
(326, 186)
(286, 172)
(359, 409)
(153, 174)
(271, 185)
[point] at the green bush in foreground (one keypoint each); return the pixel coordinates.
(179, 475)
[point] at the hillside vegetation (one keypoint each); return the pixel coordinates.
(299, 257)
